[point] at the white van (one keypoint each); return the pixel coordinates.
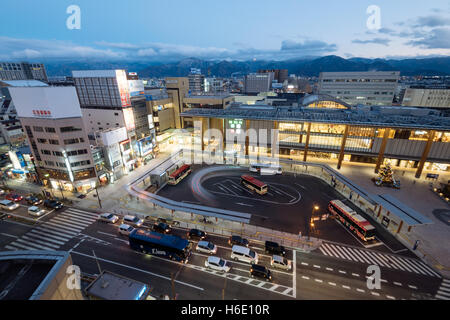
(8, 205)
(133, 221)
(244, 254)
(125, 229)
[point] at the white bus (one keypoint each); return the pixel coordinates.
(265, 168)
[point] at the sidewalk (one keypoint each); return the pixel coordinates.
(415, 193)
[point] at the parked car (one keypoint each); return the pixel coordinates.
(196, 234)
(2, 191)
(53, 204)
(36, 211)
(162, 228)
(238, 241)
(33, 200)
(257, 270)
(133, 220)
(8, 205)
(217, 263)
(207, 247)
(14, 197)
(280, 263)
(274, 248)
(108, 217)
(125, 229)
(244, 254)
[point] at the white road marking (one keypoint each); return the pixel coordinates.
(332, 283)
(342, 271)
(316, 266)
(9, 235)
(390, 297)
(305, 277)
(345, 287)
(360, 290)
(108, 234)
(294, 271)
(355, 274)
(304, 263)
(412, 287)
(144, 271)
(329, 269)
(318, 280)
(375, 293)
(397, 283)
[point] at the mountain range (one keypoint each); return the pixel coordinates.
(310, 66)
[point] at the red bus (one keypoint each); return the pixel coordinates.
(349, 218)
(179, 174)
(254, 184)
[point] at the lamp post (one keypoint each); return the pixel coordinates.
(311, 221)
(98, 197)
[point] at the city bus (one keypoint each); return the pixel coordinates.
(158, 244)
(353, 221)
(265, 168)
(179, 174)
(254, 184)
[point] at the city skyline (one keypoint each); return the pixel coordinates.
(267, 31)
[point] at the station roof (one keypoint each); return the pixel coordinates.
(368, 116)
(410, 216)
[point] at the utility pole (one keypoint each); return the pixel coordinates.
(223, 290)
(60, 185)
(98, 197)
(172, 280)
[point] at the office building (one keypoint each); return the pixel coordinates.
(427, 96)
(402, 136)
(196, 82)
(368, 88)
(258, 82)
(110, 101)
(22, 71)
(280, 75)
(51, 119)
(177, 89)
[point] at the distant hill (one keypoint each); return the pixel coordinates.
(305, 66)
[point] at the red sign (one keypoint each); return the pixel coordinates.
(42, 113)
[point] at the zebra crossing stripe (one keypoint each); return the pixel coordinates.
(375, 258)
(350, 254)
(85, 213)
(53, 235)
(72, 222)
(78, 216)
(417, 267)
(323, 251)
(364, 255)
(21, 246)
(47, 236)
(382, 258)
(336, 254)
(328, 253)
(40, 242)
(342, 254)
(405, 265)
(40, 237)
(442, 297)
(64, 226)
(425, 268)
(55, 230)
(360, 256)
(75, 216)
(32, 244)
(11, 248)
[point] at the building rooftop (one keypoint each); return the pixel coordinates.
(22, 83)
(94, 74)
(25, 275)
(110, 286)
(370, 116)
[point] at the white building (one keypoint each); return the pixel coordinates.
(368, 88)
(51, 119)
(427, 97)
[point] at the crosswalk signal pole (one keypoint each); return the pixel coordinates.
(98, 198)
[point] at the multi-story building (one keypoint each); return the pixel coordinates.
(258, 82)
(279, 74)
(368, 88)
(109, 101)
(196, 81)
(10, 127)
(403, 136)
(52, 120)
(177, 89)
(22, 71)
(427, 96)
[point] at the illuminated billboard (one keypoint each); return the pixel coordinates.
(136, 87)
(124, 91)
(128, 116)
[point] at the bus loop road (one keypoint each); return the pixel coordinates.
(314, 276)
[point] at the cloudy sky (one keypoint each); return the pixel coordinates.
(169, 30)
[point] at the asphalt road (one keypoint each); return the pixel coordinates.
(286, 207)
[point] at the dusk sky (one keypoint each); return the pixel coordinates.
(170, 30)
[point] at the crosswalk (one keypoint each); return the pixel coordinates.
(377, 258)
(53, 234)
(443, 292)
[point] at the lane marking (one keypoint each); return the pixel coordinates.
(137, 269)
(397, 283)
(332, 283)
(360, 290)
(305, 277)
(374, 293)
(329, 269)
(9, 235)
(355, 274)
(412, 287)
(342, 271)
(318, 280)
(316, 266)
(345, 287)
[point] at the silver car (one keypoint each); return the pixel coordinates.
(108, 217)
(207, 247)
(36, 211)
(280, 263)
(125, 229)
(218, 264)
